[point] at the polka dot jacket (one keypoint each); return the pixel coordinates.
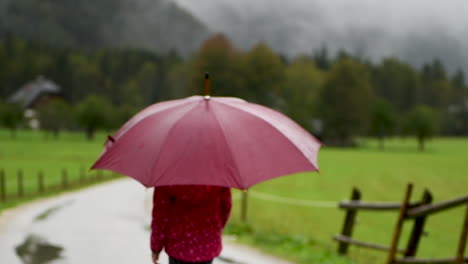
(188, 221)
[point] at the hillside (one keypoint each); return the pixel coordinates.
(157, 25)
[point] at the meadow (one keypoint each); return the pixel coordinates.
(284, 228)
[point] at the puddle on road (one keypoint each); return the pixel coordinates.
(229, 260)
(36, 250)
(47, 213)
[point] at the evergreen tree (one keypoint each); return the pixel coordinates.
(436, 88)
(398, 83)
(322, 59)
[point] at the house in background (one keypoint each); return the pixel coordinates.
(34, 93)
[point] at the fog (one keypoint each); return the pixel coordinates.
(156, 25)
(416, 30)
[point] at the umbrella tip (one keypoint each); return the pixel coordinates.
(207, 85)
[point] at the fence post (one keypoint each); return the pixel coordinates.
(463, 239)
(418, 228)
(20, 183)
(399, 225)
(64, 179)
(40, 182)
(2, 185)
(349, 222)
(244, 206)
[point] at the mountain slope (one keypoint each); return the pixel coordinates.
(157, 25)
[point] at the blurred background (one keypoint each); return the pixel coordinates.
(382, 84)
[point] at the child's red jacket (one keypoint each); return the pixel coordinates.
(188, 221)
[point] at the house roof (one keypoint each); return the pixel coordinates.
(29, 93)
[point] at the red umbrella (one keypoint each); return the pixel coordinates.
(209, 141)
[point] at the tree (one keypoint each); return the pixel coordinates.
(54, 116)
(132, 94)
(93, 113)
(218, 57)
(147, 82)
(346, 101)
(86, 78)
(300, 91)
(421, 122)
(121, 115)
(459, 90)
(436, 87)
(383, 120)
(456, 117)
(398, 83)
(322, 59)
(10, 116)
(264, 75)
(178, 83)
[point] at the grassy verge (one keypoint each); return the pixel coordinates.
(295, 248)
(31, 152)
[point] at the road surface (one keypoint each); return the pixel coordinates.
(107, 223)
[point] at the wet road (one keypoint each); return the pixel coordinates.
(107, 223)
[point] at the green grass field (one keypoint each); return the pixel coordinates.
(380, 175)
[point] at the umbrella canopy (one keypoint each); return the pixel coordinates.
(209, 141)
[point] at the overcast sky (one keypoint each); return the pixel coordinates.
(412, 29)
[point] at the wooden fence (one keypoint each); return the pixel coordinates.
(40, 185)
(416, 212)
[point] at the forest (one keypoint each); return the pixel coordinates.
(338, 97)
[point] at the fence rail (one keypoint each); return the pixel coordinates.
(359, 243)
(416, 211)
(374, 206)
(431, 209)
(28, 186)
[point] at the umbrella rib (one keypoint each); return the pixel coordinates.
(274, 127)
(158, 156)
(122, 133)
(230, 151)
(149, 112)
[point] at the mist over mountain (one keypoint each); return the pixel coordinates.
(157, 25)
(417, 31)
